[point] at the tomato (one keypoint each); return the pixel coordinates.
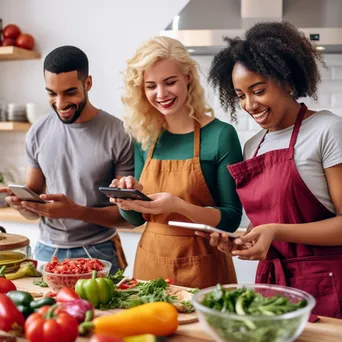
(11, 31)
(128, 284)
(73, 266)
(8, 42)
(25, 41)
(168, 280)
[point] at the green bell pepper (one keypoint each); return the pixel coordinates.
(96, 290)
(22, 301)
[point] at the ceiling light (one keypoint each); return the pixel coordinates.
(320, 48)
(191, 50)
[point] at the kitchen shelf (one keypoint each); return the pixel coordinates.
(8, 53)
(15, 126)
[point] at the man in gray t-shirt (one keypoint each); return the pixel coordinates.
(72, 154)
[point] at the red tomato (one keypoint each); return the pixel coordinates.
(128, 284)
(168, 280)
(8, 42)
(25, 41)
(11, 31)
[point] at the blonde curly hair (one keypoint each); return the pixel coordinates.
(141, 119)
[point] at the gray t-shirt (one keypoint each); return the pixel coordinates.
(76, 159)
(318, 147)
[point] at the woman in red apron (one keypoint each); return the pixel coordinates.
(180, 165)
(297, 238)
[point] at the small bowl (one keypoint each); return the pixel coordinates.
(224, 326)
(57, 281)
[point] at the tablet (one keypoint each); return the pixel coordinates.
(201, 227)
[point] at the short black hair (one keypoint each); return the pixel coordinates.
(65, 59)
(278, 51)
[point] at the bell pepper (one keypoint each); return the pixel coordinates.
(22, 300)
(66, 294)
(157, 318)
(96, 290)
(26, 269)
(128, 284)
(11, 319)
(5, 284)
(47, 325)
(80, 309)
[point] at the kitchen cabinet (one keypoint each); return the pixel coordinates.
(10, 53)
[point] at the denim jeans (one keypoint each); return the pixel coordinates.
(105, 251)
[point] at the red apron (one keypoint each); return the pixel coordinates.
(272, 191)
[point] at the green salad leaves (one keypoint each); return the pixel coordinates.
(246, 302)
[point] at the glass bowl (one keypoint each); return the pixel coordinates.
(225, 326)
(57, 281)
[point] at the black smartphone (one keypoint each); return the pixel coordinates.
(124, 193)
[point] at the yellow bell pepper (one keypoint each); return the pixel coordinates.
(158, 318)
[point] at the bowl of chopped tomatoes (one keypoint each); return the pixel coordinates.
(65, 273)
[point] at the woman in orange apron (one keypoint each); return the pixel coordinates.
(180, 165)
(290, 181)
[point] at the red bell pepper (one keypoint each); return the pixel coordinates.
(168, 281)
(11, 319)
(128, 284)
(66, 294)
(48, 326)
(5, 284)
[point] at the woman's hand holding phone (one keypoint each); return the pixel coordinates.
(128, 182)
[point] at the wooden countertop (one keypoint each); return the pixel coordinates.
(10, 215)
(326, 330)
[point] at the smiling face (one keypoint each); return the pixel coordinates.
(263, 99)
(67, 94)
(166, 87)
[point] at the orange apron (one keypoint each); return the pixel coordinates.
(172, 252)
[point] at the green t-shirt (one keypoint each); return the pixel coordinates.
(220, 146)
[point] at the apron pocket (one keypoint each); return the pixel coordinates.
(322, 286)
(195, 271)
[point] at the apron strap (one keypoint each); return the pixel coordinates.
(197, 139)
(295, 132)
(296, 128)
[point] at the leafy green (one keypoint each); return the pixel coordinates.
(145, 292)
(40, 283)
(245, 302)
(117, 277)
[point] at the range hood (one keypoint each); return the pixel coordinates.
(202, 24)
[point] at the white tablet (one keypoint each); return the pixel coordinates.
(201, 227)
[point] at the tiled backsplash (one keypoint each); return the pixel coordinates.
(330, 97)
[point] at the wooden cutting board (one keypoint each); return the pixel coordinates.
(26, 284)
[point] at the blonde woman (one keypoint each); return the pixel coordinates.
(181, 158)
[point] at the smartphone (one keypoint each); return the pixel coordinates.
(201, 227)
(25, 194)
(124, 193)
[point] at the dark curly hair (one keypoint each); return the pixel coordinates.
(276, 50)
(65, 59)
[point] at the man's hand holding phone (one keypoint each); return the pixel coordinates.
(16, 203)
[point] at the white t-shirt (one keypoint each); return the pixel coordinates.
(318, 147)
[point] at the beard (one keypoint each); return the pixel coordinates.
(78, 110)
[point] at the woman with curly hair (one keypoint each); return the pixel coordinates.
(181, 156)
(290, 181)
